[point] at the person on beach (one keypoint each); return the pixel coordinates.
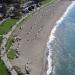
(27, 68)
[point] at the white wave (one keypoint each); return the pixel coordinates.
(52, 37)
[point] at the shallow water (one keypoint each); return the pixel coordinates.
(61, 58)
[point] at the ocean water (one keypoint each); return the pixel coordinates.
(61, 45)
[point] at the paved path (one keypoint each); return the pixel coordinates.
(4, 55)
(3, 20)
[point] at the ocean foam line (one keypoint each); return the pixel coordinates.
(52, 37)
(65, 14)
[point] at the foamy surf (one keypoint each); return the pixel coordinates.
(52, 37)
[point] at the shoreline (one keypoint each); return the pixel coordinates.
(46, 50)
(34, 35)
(52, 37)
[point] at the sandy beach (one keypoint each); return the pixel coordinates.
(34, 36)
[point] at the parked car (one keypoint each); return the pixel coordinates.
(29, 6)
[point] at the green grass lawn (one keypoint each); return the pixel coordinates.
(18, 70)
(7, 25)
(9, 43)
(1, 37)
(3, 69)
(11, 54)
(45, 1)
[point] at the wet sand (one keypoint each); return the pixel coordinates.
(34, 35)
